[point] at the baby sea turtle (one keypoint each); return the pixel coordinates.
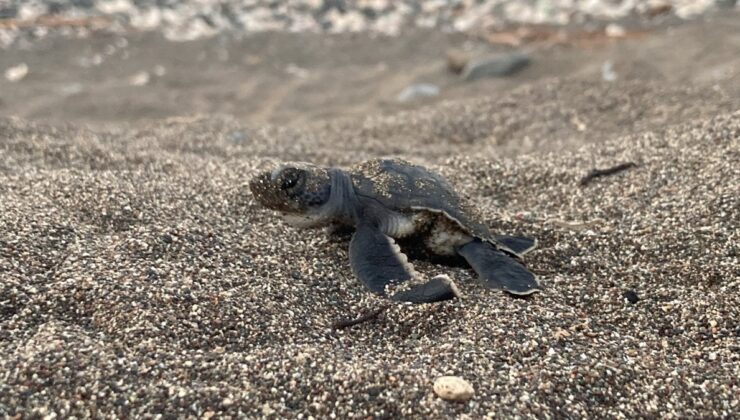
(383, 199)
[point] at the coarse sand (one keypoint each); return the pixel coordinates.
(139, 277)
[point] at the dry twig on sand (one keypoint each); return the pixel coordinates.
(596, 173)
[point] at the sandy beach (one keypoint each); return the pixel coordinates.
(139, 277)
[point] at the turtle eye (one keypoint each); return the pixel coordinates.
(290, 178)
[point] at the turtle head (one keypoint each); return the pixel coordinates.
(300, 191)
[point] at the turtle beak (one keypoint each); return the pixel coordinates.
(260, 183)
(265, 188)
(264, 181)
(261, 186)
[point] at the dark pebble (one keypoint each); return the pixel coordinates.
(631, 296)
(499, 65)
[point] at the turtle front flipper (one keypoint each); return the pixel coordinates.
(378, 262)
(498, 270)
(519, 244)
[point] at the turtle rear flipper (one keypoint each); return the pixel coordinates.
(437, 289)
(498, 270)
(519, 244)
(378, 262)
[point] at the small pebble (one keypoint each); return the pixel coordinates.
(139, 79)
(16, 73)
(453, 388)
(159, 70)
(456, 60)
(613, 30)
(416, 91)
(499, 65)
(607, 71)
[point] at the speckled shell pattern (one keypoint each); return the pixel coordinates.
(403, 187)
